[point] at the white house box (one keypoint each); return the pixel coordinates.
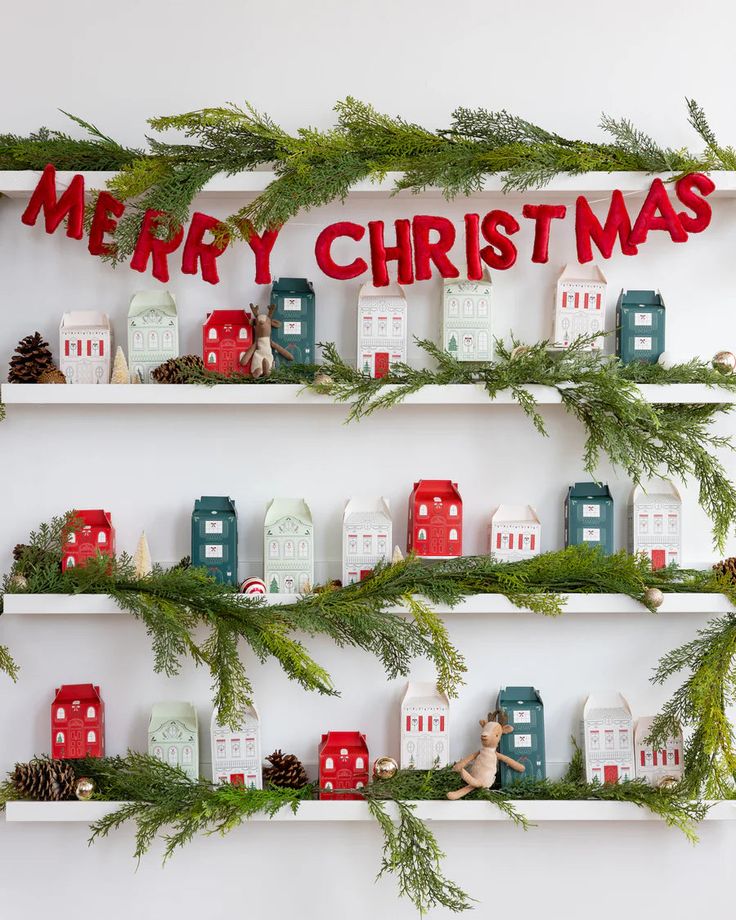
(580, 305)
(153, 333)
(85, 346)
(466, 318)
(515, 533)
(425, 727)
(236, 753)
(655, 522)
(288, 546)
(366, 537)
(608, 738)
(662, 764)
(382, 328)
(173, 736)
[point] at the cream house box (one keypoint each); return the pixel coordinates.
(656, 765)
(466, 318)
(608, 738)
(236, 753)
(366, 537)
(580, 305)
(382, 330)
(288, 546)
(153, 333)
(173, 736)
(85, 346)
(515, 533)
(655, 522)
(425, 727)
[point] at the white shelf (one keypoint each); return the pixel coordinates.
(535, 811)
(102, 605)
(288, 394)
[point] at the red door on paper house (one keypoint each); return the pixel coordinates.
(381, 363)
(437, 537)
(227, 354)
(659, 559)
(75, 739)
(344, 779)
(364, 573)
(610, 774)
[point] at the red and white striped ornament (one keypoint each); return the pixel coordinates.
(253, 586)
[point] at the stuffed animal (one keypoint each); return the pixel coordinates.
(260, 353)
(479, 769)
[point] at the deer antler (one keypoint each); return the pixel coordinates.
(271, 309)
(254, 309)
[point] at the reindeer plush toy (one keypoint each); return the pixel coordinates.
(479, 769)
(260, 353)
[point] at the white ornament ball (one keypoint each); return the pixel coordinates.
(253, 586)
(669, 359)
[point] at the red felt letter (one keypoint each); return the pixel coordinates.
(648, 219)
(684, 189)
(472, 247)
(149, 245)
(381, 254)
(543, 215)
(70, 205)
(426, 252)
(323, 254)
(501, 252)
(588, 228)
(197, 251)
(261, 245)
(103, 223)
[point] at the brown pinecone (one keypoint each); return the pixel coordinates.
(174, 370)
(286, 771)
(44, 780)
(52, 375)
(726, 568)
(32, 357)
(18, 550)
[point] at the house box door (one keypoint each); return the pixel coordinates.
(364, 573)
(610, 774)
(381, 363)
(438, 539)
(227, 358)
(344, 779)
(659, 559)
(75, 741)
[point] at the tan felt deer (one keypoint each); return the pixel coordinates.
(260, 353)
(483, 764)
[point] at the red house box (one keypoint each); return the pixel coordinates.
(435, 519)
(226, 336)
(95, 534)
(343, 764)
(78, 722)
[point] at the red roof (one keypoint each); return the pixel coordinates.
(95, 518)
(354, 741)
(70, 692)
(441, 488)
(227, 317)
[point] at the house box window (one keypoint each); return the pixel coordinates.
(60, 713)
(91, 737)
(453, 510)
(212, 335)
(90, 712)
(60, 737)
(329, 763)
(422, 511)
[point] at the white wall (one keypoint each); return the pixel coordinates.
(561, 64)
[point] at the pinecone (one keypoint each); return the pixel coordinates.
(727, 568)
(52, 375)
(32, 357)
(18, 550)
(44, 780)
(174, 370)
(286, 771)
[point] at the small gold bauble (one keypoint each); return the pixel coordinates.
(653, 597)
(84, 788)
(322, 380)
(519, 351)
(18, 581)
(668, 782)
(725, 362)
(385, 768)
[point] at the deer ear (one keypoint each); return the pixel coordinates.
(506, 729)
(483, 723)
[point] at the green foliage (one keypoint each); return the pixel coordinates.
(285, 373)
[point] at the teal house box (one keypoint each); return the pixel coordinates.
(294, 300)
(589, 516)
(215, 537)
(640, 317)
(523, 710)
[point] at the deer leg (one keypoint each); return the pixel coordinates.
(461, 764)
(459, 793)
(470, 779)
(514, 764)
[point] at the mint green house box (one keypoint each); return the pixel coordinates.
(640, 318)
(589, 516)
(215, 537)
(294, 300)
(523, 710)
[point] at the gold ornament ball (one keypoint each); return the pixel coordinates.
(653, 597)
(725, 362)
(385, 768)
(668, 782)
(84, 788)
(520, 351)
(322, 380)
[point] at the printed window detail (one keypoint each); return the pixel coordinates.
(90, 712)
(243, 334)
(72, 538)
(329, 764)
(60, 714)
(453, 534)
(153, 340)
(91, 736)
(359, 763)
(138, 341)
(328, 785)
(212, 358)
(186, 754)
(173, 756)
(453, 510)
(158, 752)
(102, 537)
(303, 549)
(70, 562)
(212, 335)
(422, 510)
(59, 737)
(421, 534)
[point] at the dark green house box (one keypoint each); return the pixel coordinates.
(522, 708)
(215, 537)
(640, 317)
(294, 299)
(589, 516)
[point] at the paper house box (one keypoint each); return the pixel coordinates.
(294, 301)
(77, 722)
(608, 738)
(343, 764)
(466, 318)
(153, 333)
(589, 516)
(226, 337)
(236, 754)
(515, 533)
(655, 527)
(425, 727)
(215, 537)
(523, 710)
(661, 764)
(366, 537)
(580, 305)
(288, 546)
(173, 736)
(382, 329)
(95, 534)
(640, 322)
(85, 346)
(435, 527)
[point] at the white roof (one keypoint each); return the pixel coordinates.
(279, 508)
(149, 300)
(386, 292)
(588, 272)
(606, 704)
(169, 711)
(367, 511)
(424, 693)
(515, 514)
(249, 710)
(656, 490)
(462, 278)
(76, 319)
